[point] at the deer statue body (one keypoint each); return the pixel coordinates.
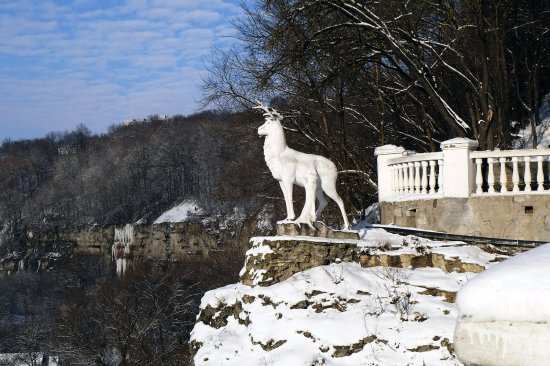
(313, 172)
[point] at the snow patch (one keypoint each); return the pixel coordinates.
(180, 213)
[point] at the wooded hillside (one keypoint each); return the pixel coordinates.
(133, 172)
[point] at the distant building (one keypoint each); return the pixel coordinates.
(65, 150)
(154, 117)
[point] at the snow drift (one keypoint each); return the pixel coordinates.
(505, 313)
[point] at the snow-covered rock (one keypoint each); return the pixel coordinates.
(339, 314)
(181, 212)
(343, 313)
(273, 259)
(505, 313)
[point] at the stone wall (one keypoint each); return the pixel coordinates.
(521, 217)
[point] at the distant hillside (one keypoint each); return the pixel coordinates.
(134, 172)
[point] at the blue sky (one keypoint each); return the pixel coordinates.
(100, 62)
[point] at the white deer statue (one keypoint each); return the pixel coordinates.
(315, 173)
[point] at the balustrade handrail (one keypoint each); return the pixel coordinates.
(414, 157)
(509, 153)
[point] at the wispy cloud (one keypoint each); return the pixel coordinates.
(67, 62)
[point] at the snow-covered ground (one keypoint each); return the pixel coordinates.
(181, 212)
(340, 314)
(505, 313)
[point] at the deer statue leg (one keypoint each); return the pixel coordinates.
(308, 212)
(287, 187)
(328, 183)
(321, 200)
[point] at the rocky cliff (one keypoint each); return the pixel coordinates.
(165, 241)
(382, 300)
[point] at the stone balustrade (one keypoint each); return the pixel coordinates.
(459, 171)
(416, 175)
(511, 172)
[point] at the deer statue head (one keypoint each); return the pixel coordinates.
(272, 122)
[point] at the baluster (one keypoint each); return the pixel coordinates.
(392, 180)
(515, 174)
(432, 177)
(440, 176)
(411, 177)
(398, 179)
(503, 177)
(527, 174)
(491, 175)
(479, 176)
(417, 177)
(402, 178)
(540, 174)
(424, 183)
(405, 178)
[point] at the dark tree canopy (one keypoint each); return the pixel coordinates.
(353, 74)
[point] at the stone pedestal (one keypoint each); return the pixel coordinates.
(274, 259)
(320, 231)
(296, 248)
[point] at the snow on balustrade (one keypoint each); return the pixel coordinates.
(459, 171)
(511, 172)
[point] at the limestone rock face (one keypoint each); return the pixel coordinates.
(165, 241)
(271, 261)
(274, 259)
(297, 248)
(420, 260)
